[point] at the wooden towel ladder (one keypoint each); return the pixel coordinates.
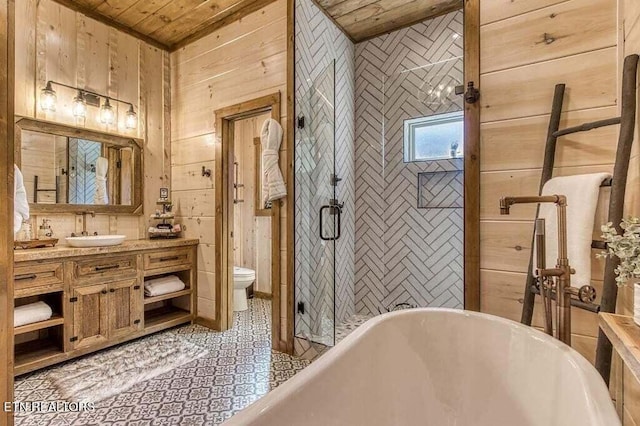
(618, 183)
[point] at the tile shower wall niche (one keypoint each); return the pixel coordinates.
(440, 190)
(406, 254)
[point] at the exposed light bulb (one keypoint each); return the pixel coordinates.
(131, 118)
(79, 107)
(107, 115)
(48, 98)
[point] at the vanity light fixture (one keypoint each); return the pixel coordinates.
(86, 98)
(48, 98)
(79, 107)
(131, 118)
(107, 115)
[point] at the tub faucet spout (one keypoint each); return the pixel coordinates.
(560, 276)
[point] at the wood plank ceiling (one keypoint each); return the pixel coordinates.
(168, 24)
(364, 19)
(171, 24)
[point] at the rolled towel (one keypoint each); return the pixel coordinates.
(163, 285)
(33, 312)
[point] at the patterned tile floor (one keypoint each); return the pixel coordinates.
(313, 348)
(349, 325)
(239, 369)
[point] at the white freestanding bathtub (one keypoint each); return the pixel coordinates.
(440, 367)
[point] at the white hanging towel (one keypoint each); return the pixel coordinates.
(582, 193)
(273, 186)
(20, 203)
(102, 166)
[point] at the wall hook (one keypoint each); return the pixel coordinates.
(206, 172)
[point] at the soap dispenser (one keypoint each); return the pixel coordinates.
(44, 230)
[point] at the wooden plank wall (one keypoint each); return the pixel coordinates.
(242, 61)
(6, 194)
(252, 234)
(518, 72)
(57, 43)
(629, 391)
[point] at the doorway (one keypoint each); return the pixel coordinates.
(247, 231)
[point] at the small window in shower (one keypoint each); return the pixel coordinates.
(435, 137)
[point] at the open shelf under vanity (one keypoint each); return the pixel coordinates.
(170, 309)
(39, 341)
(48, 346)
(165, 315)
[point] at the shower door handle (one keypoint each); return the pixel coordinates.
(337, 210)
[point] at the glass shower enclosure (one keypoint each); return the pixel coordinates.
(317, 212)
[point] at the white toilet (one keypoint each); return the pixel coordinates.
(242, 278)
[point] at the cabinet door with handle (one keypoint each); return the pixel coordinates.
(90, 315)
(125, 308)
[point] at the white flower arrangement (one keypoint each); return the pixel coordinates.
(625, 247)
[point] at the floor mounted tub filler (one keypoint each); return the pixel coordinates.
(440, 367)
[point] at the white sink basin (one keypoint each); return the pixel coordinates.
(95, 240)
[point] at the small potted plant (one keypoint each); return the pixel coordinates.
(626, 247)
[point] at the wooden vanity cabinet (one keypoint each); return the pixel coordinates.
(105, 311)
(90, 311)
(125, 308)
(100, 298)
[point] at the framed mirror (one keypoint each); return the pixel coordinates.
(68, 169)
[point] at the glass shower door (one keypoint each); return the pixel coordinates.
(317, 218)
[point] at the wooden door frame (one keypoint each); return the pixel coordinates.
(224, 148)
(6, 193)
(472, 159)
(289, 147)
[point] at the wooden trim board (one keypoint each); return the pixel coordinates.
(224, 147)
(262, 295)
(472, 159)
(287, 345)
(7, 71)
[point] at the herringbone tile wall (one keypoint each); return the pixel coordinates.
(319, 42)
(83, 156)
(404, 253)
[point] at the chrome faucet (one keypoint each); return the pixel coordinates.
(558, 278)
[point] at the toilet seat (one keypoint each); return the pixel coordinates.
(242, 279)
(245, 273)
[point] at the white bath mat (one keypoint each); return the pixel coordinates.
(112, 371)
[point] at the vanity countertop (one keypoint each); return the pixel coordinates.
(128, 246)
